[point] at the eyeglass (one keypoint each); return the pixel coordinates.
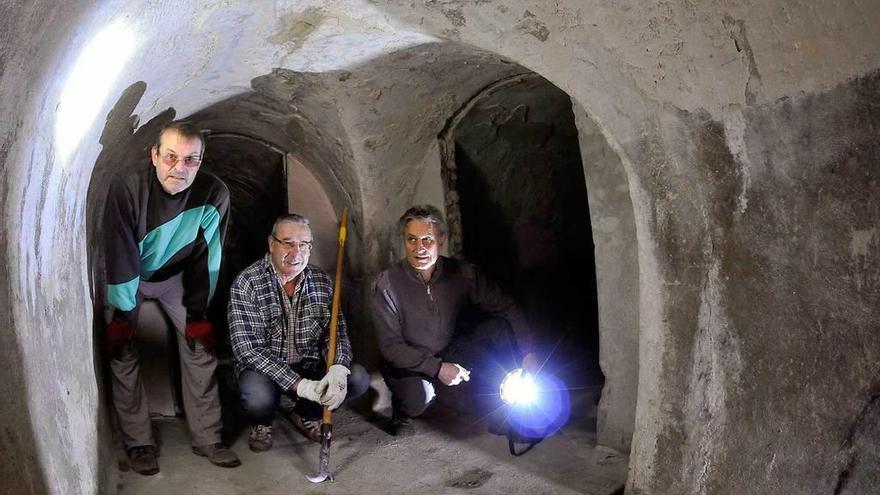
(171, 160)
(301, 245)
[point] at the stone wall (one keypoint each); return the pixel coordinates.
(617, 279)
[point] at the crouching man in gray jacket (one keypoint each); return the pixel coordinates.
(440, 320)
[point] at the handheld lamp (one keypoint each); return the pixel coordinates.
(518, 388)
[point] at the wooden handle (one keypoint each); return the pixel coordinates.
(334, 311)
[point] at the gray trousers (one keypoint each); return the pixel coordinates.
(488, 349)
(201, 401)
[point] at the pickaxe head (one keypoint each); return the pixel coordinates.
(324, 459)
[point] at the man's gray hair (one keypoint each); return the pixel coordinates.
(425, 213)
(289, 218)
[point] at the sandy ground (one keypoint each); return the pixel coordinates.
(448, 454)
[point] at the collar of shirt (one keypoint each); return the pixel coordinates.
(290, 306)
(417, 274)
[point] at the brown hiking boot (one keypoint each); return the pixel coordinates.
(143, 460)
(218, 454)
(260, 439)
(310, 428)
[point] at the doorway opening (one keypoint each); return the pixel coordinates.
(517, 204)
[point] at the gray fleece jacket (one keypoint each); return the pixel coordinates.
(415, 320)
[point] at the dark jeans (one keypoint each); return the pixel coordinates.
(261, 396)
(488, 349)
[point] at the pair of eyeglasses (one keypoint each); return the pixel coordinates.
(301, 245)
(171, 160)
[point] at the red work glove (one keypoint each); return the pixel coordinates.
(203, 331)
(119, 334)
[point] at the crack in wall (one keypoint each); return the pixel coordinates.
(737, 31)
(716, 363)
(848, 444)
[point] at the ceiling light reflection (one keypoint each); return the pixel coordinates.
(88, 84)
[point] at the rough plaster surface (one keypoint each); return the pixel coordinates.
(747, 133)
(307, 197)
(767, 363)
(617, 279)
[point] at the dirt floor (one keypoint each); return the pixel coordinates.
(448, 454)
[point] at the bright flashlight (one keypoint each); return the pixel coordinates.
(518, 388)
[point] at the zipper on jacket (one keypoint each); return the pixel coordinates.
(432, 304)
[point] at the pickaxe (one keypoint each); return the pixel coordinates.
(327, 418)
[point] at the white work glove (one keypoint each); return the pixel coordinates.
(463, 375)
(452, 374)
(337, 386)
(311, 389)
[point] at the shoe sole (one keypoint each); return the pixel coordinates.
(230, 464)
(259, 449)
(312, 434)
(147, 472)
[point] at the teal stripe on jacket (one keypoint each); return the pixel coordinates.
(166, 240)
(211, 225)
(123, 296)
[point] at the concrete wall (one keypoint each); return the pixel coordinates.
(307, 198)
(747, 133)
(617, 278)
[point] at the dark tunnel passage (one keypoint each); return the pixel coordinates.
(525, 219)
(255, 174)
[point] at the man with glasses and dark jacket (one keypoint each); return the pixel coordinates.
(163, 232)
(279, 321)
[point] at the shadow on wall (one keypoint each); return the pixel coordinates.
(123, 150)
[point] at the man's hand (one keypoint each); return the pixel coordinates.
(530, 363)
(311, 389)
(452, 374)
(119, 334)
(337, 386)
(202, 331)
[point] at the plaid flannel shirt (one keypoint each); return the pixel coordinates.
(258, 326)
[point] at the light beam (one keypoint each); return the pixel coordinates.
(89, 83)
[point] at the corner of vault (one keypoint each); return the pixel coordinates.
(613, 222)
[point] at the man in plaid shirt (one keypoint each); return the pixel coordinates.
(279, 319)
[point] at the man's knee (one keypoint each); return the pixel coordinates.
(358, 381)
(412, 396)
(259, 394)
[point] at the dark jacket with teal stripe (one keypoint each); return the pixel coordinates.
(151, 236)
